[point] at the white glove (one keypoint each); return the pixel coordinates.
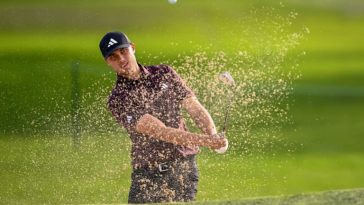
(223, 149)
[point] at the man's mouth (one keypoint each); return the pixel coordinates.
(124, 65)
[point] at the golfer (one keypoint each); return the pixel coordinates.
(147, 102)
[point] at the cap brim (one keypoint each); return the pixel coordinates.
(117, 47)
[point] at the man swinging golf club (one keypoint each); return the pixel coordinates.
(147, 102)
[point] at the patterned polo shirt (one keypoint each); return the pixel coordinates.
(158, 92)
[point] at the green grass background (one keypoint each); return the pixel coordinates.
(322, 148)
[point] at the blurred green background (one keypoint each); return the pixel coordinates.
(42, 41)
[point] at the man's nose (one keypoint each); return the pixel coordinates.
(121, 57)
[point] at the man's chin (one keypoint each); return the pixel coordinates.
(122, 74)
(123, 71)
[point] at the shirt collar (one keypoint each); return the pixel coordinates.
(143, 74)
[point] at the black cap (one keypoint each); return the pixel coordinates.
(112, 41)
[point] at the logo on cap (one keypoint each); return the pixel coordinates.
(111, 42)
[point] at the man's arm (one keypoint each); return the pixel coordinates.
(199, 115)
(153, 127)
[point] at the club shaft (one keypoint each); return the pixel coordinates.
(228, 105)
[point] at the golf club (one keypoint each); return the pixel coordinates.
(228, 80)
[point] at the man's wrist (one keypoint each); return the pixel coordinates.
(212, 132)
(216, 143)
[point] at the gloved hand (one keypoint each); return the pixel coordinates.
(223, 149)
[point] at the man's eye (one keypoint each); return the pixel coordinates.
(112, 57)
(124, 50)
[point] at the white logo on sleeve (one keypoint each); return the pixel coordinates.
(129, 118)
(111, 42)
(164, 86)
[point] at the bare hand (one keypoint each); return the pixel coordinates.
(219, 135)
(187, 151)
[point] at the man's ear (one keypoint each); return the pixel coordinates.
(133, 47)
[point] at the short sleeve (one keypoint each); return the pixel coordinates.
(179, 85)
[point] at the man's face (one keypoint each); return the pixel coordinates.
(123, 62)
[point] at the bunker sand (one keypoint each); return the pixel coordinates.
(334, 197)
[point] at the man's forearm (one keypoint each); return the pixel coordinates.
(204, 121)
(184, 138)
(153, 127)
(200, 116)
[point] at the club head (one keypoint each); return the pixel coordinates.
(226, 78)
